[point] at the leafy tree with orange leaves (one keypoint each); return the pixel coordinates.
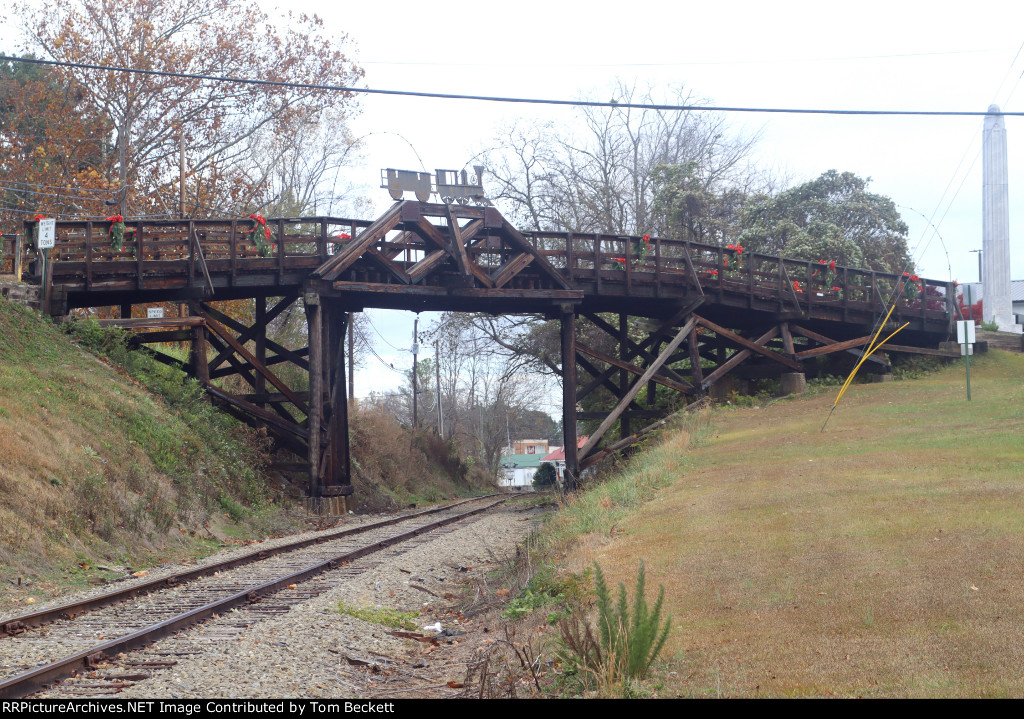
(52, 145)
(226, 127)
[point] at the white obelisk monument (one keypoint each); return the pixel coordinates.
(995, 232)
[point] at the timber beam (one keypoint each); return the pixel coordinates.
(831, 345)
(628, 397)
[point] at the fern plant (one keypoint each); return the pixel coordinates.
(632, 638)
(626, 641)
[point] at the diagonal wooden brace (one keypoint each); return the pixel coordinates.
(632, 349)
(225, 335)
(637, 386)
(737, 357)
(832, 346)
(246, 334)
(753, 346)
(457, 249)
(354, 250)
(659, 378)
(515, 238)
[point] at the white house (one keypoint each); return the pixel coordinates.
(517, 470)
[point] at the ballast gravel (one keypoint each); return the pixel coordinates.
(316, 651)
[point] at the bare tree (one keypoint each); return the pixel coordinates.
(487, 387)
(604, 177)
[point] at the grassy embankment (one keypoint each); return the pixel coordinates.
(111, 458)
(117, 463)
(879, 558)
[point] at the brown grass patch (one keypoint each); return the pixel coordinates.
(879, 558)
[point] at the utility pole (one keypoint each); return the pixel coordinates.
(181, 174)
(122, 162)
(415, 352)
(437, 375)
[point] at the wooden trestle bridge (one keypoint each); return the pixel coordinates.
(704, 317)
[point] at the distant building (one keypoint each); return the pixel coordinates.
(977, 293)
(529, 446)
(517, 470)
(557, 458)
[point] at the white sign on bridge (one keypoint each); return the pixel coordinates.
(47, 233)
(154, 313)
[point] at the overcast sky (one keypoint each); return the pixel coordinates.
(864, 55)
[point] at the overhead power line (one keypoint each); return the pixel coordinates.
(684, 63)
(516, 100)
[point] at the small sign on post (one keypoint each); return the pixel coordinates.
(154, 313)
(47, 234)
(45, 240)
(965, 336)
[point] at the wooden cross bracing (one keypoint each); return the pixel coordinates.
(769, 316)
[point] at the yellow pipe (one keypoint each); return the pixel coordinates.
(867, 353)
(862, 359)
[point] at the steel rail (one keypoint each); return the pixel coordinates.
(20, 624)
(40, 677)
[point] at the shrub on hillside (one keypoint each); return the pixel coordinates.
(394, 465)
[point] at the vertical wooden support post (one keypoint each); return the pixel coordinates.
(352, 356)
(19, 251)
(624, 428)
(198, 360)
(88, 255)
(695, 366)
(314, 323)
(140, 251)
(126, 310)
(339, 478)
(261, 346)
(787, 339)
(572, 464)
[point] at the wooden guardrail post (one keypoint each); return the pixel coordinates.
(19, 251)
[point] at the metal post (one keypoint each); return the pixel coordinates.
(967, 347)
(967, 365)
(181, 174)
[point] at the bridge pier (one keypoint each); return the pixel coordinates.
(792, 383)
(335, 471)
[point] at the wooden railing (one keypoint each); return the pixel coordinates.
(628, 262)
(595, 263)
(83, 250)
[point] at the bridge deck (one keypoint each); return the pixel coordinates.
(603, 273)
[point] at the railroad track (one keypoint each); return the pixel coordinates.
(227, 597)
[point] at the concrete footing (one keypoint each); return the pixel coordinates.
(326, 507)
(723, 388)
(792, 383)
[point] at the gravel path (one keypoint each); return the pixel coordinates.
(314, 651)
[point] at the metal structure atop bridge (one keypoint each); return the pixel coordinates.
(707, 316)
